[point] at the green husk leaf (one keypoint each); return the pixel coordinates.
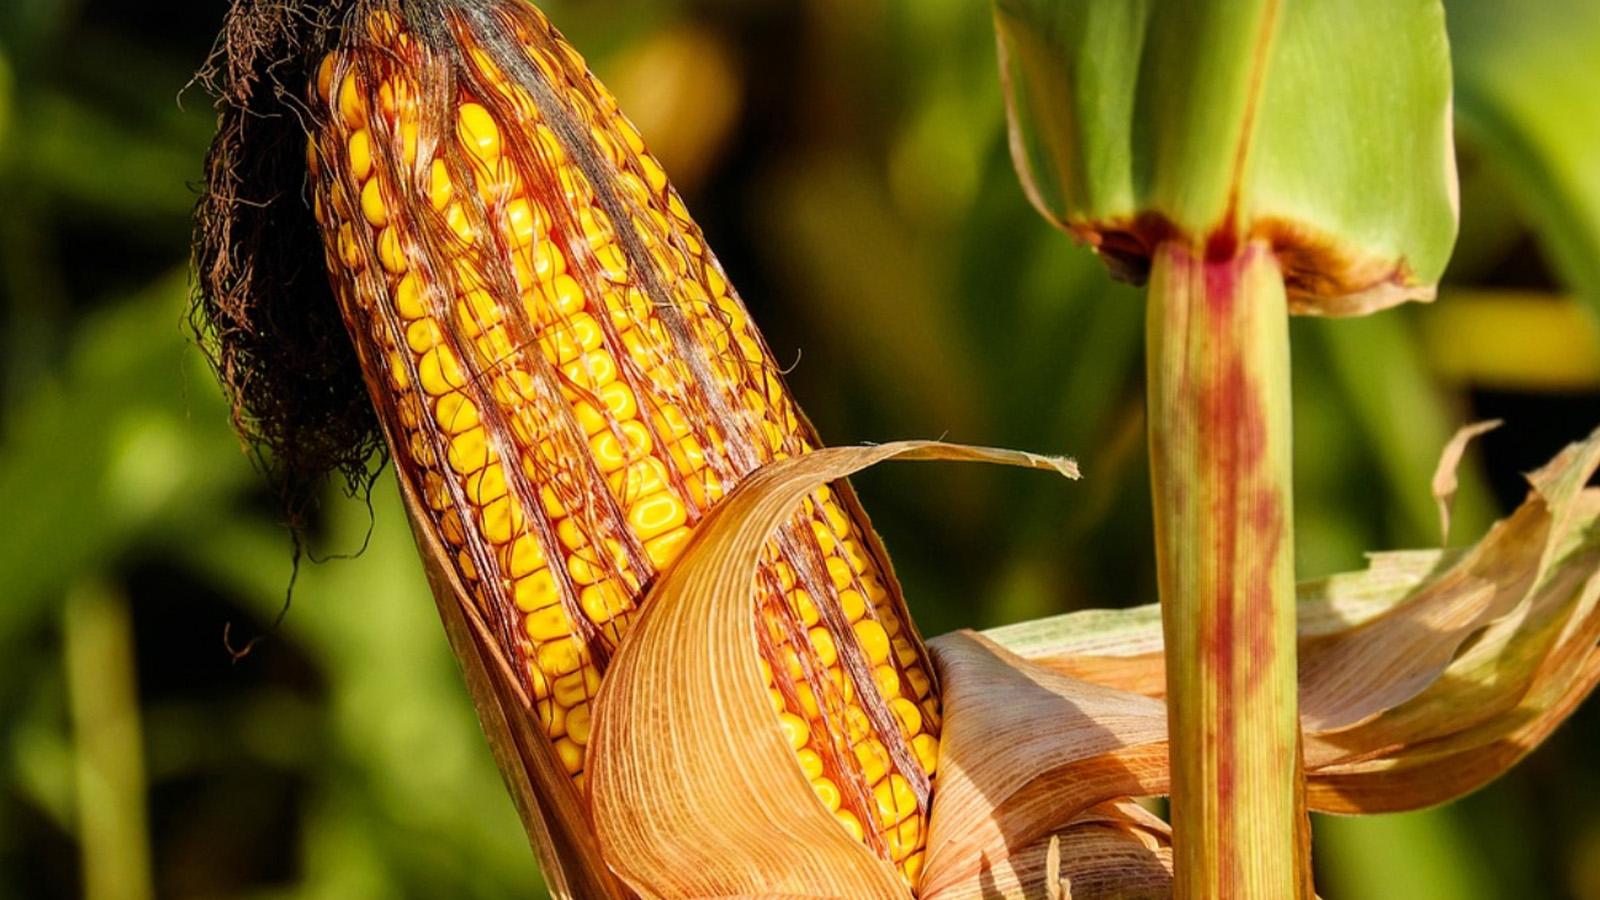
(1322, 127)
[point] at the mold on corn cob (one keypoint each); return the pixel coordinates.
(566, 377)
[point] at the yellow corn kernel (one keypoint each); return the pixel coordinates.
(887, 680)
(578, 725)
(372, 204)
(546, 624)
(537, 590)
(360, 154)
(560, 657)
(478, 132)
(570, 753)
(895, 799)
(810, 761)
(874, 641)
(826, 652)
(795, 730)
(926, 747)
(666, 548)
(827, 792)
(656, 514)
(909, 715)
(525, 555)
(850, 823)
(873, 758)
(455, 413)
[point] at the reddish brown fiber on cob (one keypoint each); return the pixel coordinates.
(565, 377)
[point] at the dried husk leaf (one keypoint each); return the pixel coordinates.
(1113, 850)
(1532, 657)
(1023, 752)
(1445, 482)
(693, 787)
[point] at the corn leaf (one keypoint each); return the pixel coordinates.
(1323, 126)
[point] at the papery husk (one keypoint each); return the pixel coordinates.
(694, 789)
(1113, 850)
(1509, 670)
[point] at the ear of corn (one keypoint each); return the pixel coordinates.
(569, 381)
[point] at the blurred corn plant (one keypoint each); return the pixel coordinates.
(280, 775)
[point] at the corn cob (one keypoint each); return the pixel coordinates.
(566, 376)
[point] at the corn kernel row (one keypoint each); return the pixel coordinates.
(569, 440)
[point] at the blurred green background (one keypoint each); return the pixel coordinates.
(848, 159)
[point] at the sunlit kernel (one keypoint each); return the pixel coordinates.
(361, 154)
(408, 298)
(440, 372)
(455, 413)
(602, 602)
(874, 641)
(578, 724)
(795, 730)
(478, 132)
(423, 335)
(909, 715)
(851, 824)
(469, 451)
(895, 799)
(887, 680)
(487, 486)
(571, 690)
(656, 514)
(352, 105)
(325, 73)
(810, 762)
(391, 252)
(525, 554)
(440, 190)
(822, 643)
(666, 548)
(827, 792)
(501, 518)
